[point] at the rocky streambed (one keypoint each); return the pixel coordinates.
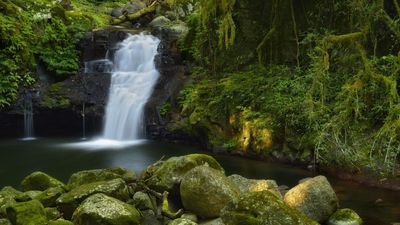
(186, 190)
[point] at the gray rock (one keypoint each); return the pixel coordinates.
(159, 21)
(345, 217)
(133, 7)
(168, 175)
(264, 208)
(205, 191)
(313, 197)
(213, 222)
(102, 209)
(117, 12)
(68, 202)
(181, 221)
(250, 185)
(190, 216)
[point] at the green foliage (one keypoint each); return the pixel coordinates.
(328, 81)
(46, 31)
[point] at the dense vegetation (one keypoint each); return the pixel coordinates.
(308, 80)
(43, 32)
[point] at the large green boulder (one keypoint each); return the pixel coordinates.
(68, 202)
(90, 176)
(48, 197)
(313, 197)
(345, 217)
(100, 209)
(262, 208)
(7, 198)
(217, 221)
(181, 221)
(40, 181)
(168, 176)
(27, 213)
(205, 191)
(60, 222)
(251, 185)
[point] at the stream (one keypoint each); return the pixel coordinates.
(62, 157)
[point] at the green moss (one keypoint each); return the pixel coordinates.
(168, 176)
(40, 181)
(345, 216)
(68, 202)
(27, 213)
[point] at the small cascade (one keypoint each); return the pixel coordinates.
(83, 122)
(28, 116)
(134, 76)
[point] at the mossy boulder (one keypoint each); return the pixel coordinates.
(142, 201)
(159, 22)
(182, 221)
(52, 213)
(48, 197)
(7, 198)
(90, 176)
(5, 222)
(27, 213)
(168, 176)
(100, 209)
(68, 202)
(205, 191)
(313, 197)
(264, 208)
(217, 221)
(60, 222)
(251, 185)
(345, 217)
(40, 181)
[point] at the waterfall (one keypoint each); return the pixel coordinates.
(28, 117)
(133, 78)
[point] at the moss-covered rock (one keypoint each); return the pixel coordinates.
(48, 197)
(264, 208)
(100, 209)
(68, 202)
(40, 181)
(52, 213)
(205, 191)
(345, 217)
(217, 221)
(28, 195)
(182, 221)
(313, 197)
(27, 213)
(7, 198)
(159, 22)
(90, 176)
(60, 222)
(250, 185)
(5, 222)
(142, 201)
(168, 176)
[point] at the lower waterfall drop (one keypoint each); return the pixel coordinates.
(133, 79)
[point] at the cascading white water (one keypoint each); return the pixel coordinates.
(134, 76)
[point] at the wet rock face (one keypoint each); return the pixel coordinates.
(205, 191)
(314, 197)
(102, 209)
(262, 207)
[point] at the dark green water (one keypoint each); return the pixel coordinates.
(19, 158)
